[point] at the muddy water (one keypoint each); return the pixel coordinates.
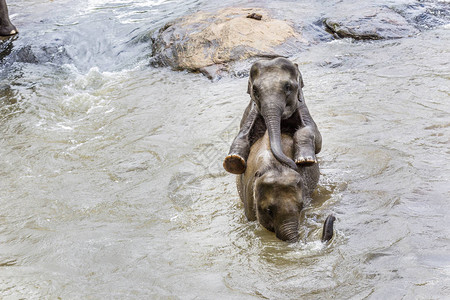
(111, 180)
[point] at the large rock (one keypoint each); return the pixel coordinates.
(374, 23)
(208, 42)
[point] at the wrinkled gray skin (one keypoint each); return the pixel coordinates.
(6, 27)
(274, 193)
(277, 104)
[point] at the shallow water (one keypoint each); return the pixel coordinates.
(111, 183)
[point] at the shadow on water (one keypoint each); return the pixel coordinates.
(6, 46)
(8, 102)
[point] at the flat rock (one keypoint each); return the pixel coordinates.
(372, 24)
(207, 41)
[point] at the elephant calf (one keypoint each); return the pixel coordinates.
(272, 192)
(278, 106)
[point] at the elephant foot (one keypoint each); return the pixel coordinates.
(327, 233)
(305, 150)
(305, 154)
(235, 164)
(305, 161)
(8, 31)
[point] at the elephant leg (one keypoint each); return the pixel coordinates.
(308, 121)
(236, 160)
(304, 146)
(6, 27)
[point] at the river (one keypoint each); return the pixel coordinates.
(111, 184)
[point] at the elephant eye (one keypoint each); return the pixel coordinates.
(270, 211)
(288, 88)
(255, 92)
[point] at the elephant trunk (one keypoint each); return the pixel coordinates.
(272, 117)
(287, 230)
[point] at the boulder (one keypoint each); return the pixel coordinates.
(374, 23)
(208, 42)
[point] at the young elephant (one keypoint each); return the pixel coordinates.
(6, 27)
(277, 104)
(274, 193)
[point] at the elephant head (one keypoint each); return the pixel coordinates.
(275, 87)
(278, 201)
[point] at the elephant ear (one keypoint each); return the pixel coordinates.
(254, 72)
(300, 79)
(300, 82)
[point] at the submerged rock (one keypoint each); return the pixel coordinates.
(374, 24)
(51, 53)
(208, 42)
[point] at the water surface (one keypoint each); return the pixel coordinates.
(111, 183)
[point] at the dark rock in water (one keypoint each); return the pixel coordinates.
(212, 42)
(25, 55)
(375, 24)
(10, 54)
(53, 53)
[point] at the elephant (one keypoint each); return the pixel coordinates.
(274, 193)
(6, 27)
(277, 104)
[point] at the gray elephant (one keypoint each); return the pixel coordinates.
(6, 27)
(277, 104)
(274, 193)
